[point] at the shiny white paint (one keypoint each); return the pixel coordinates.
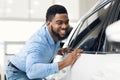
(95, 67)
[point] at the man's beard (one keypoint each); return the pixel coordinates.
(57, 35)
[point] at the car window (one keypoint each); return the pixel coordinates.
(90, 30)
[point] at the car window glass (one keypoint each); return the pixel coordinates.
(90, 30)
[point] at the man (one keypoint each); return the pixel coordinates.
(33, 62)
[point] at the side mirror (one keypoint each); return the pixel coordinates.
(113, 34)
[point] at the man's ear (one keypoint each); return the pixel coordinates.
(48, 23)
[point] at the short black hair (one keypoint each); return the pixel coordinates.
(53, 10)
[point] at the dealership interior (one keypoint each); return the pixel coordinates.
(19, 19)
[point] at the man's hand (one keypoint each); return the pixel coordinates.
(70, 59)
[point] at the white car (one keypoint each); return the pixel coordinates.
(98, 34)
(100, 65)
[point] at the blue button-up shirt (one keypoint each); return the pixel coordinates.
(36, 55)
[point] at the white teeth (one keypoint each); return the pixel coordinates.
(63, 31)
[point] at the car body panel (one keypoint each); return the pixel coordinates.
(95, 67)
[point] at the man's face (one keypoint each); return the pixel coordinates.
(59, 25)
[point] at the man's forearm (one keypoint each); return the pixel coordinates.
(61, 65)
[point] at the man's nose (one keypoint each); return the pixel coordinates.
(65, 26)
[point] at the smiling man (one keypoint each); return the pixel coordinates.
(34, 61)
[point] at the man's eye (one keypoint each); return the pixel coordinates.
(62, 22)
(59, 23)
